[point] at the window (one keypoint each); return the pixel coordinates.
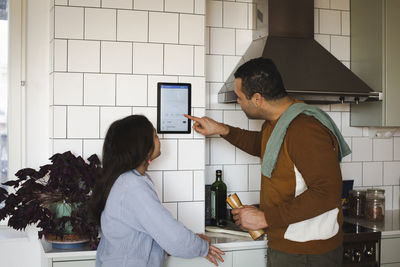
(4, 30)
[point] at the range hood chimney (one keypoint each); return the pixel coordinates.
(285, 33)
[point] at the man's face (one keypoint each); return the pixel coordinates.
(247, 105)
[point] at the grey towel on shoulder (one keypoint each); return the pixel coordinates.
(278, 134)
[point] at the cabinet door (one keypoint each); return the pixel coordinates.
(253, 258)
(392, 63)
(390, 250)
(88, 263)
(197, 262)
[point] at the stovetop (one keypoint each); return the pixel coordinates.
(350, 228)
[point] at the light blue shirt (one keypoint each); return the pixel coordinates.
(137, 229)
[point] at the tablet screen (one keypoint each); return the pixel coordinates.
(173, 100)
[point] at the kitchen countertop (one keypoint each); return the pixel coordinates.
(225, 242)
(390, 226)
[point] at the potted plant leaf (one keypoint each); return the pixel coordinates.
(56, 198)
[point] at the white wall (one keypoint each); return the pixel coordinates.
(373, 163)
(107, 57)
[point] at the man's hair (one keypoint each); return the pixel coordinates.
(260, 75)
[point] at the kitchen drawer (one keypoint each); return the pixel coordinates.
(390, 251)
(197, 262)
(84, 263)
(253, 258)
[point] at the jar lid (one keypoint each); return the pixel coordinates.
(376, 191)
(357, 192)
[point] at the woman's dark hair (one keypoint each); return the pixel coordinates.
(260, 75)
(129, 142)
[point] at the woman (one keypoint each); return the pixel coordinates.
(136, 228)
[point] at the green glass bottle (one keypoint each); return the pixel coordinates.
(218, 200)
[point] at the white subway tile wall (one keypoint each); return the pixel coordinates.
(102, 73)
(374, 162)
(106, 59)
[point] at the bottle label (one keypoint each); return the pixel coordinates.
(213, 206)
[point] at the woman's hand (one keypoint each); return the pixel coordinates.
(214, 253)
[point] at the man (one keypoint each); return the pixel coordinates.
(300, 207)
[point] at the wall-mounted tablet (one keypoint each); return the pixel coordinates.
(173, 100)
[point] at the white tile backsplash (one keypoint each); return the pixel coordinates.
(168, 160)
(235, 15)
(148, 58)
(191, 154)
(383, 149)
(396, 148)
(60, 122)
(230, 63)
(245, 158)
(68, 22)
(236, 177)
(83, 122)
(63, 145)
(221, 152)
(321, 3)
(340, 47)
(125, 4)
(178, 60)
(100, 24)
(152, 87)
(60, 55)
(110, 114)
(362, 149)
(222, 41)
(372, 174)
(243, 41)
(83, 56)
(345, 23)
(191, 29)
(199, 58)
(198, 89)
(99, 89)
(172, 207)
(116, 57)
(391, 173)
(180, 6)
(156, 5)
(254, 177)
(131, 90)
(352, 171)
(198, 185)
(191, 214)
(87, 3)
(93, 146)
(329, 21)
(128, 47)
(200, 6)
(214, 68)
(132, 25)
(236, 118)
(163, 27)
(178, 186)
(340, 4)
(214, 13)
(68, 88)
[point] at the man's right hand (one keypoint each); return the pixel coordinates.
(207, 126)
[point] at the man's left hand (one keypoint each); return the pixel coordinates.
(250, 218)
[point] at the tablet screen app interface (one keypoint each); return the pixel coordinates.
(173, 105)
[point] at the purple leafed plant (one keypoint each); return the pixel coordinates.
(68, 179)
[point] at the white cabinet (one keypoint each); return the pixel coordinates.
(238, 258)
(390, 251)
(256, 257)
(84, 263)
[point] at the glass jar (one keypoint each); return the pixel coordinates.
(375, 209)
(357, 202)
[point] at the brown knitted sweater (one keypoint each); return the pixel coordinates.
(313, 150)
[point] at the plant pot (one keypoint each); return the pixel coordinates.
(69, 239)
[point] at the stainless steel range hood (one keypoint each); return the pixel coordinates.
(285, 33)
